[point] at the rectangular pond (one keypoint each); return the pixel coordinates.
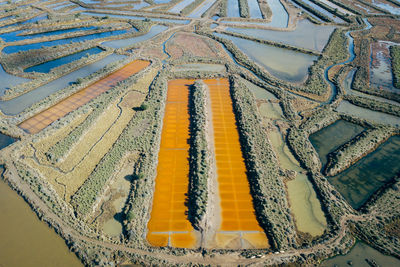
(20, 103)
(323, 11)
(80, 98)
(19, 35)
(197, 12)
(31, 20)
(254, 9)
(47, 66)
(280, 17)
(168, 224)
(381, 75)
(239, 224)
(337, 133)
(133, 40)
(371, 115)
(181, 5)
(282, 63)
(233, 8)
(359, 182)
(306, 35)
(18, 48)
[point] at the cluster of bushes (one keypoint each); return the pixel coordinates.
(265, 9)
(16, 62)
(97, 106)
(361, 77)
(170, 4)
(395, 60)
(319, 119)
(199, 160)
(335, 51)
(374, 6)
(223, 8)
(352, 151)
(332, 10)
(135, 137)
(373, 104)
(62, 94)
(55, 73)
(272, 43)
(189, 8)
(194, 59)
(242, 59)
(284, 96)
(303, 149)
(266, 186)
(343, 5)
(313, 11)
(212, 10)
(244, 9)
(143, 135)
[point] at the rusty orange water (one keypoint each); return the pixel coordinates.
(239, 226)
(43, 119)
(168, 224)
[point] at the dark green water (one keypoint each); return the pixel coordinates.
(358, 255)
(330, 138)
(364, 178)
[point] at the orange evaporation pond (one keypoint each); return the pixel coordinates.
(43, 119)
(238, 218)
(168, 224)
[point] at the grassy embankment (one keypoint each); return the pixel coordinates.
(395, 56)
(199, 160)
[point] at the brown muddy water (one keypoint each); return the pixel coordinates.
(24, 239)
(303, 200)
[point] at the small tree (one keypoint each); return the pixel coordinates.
(130, 216)
(144, 106)
(79, 81)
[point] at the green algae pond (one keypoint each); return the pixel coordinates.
(302, 197)
(359, 182)
(24, 239)
(331, 137)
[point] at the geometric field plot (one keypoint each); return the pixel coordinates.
(239, 227)
(168, 225)
(43, 119)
